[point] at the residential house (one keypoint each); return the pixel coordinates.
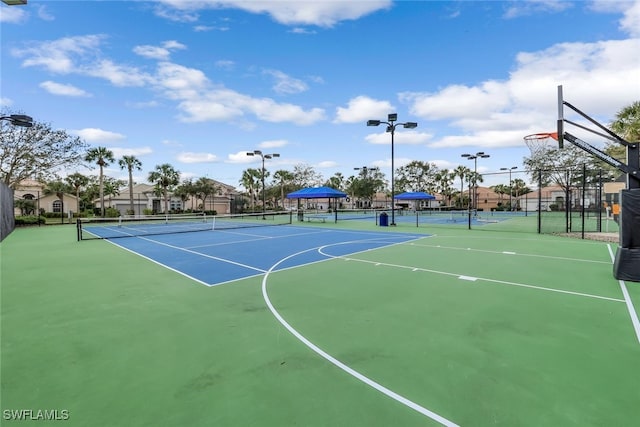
(145, 198)
(31, 189)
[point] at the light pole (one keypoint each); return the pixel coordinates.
(19, 120)
(391, 127)
(475, 157)
(263, 157)
(510, 186)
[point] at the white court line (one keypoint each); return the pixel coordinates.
(632, 311)
(256, 238)
(401, 399)
(463, 277)
(158, 263)
(453, 248)
(203, 255)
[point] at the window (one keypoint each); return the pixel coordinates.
(57, 206)
(28, 197)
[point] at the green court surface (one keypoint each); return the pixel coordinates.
(460, 327)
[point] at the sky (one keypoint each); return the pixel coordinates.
(197, 84)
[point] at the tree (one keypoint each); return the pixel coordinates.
(165, 177)
(130, 163)
(77, 181)
(557, 166)
(250, 180)
(305, 176)
(368, 182)
(444, 182)
(103, 157)
(58, 188)
(461, 172)
(36, 152)
(186, 190)
(205, 187)
(283, 179)
(627, 122)
(416, 176)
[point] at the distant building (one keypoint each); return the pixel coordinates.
(31, 189)
(146, 199)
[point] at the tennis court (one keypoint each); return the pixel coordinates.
(319, 324)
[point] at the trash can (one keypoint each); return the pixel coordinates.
(384, 219)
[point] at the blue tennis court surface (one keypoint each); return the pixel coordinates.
(221, 256)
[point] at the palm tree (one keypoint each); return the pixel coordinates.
(103, 157)
(58, 188)
(627, 122)
(204, 187)
(250, 179)
(130, 163)
(112, 188)
(461, 172)
(165, 177)
(283, 178)
(77, 181)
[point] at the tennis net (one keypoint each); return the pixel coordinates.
(112, 228)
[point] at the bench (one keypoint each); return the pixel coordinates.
(322, 218)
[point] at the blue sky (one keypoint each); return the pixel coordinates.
(199, 83)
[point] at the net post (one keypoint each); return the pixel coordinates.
(213, 223)
(79, 229)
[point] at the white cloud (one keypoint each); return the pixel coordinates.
(326, 164)
(240, 157)
(530, 7)
(273, 143)
(13, 15)
(158, 52)
(6, 102)
(97, 135)
(401, 136)
(118, 152)
(43, 13)
(59, 56)
(286, 84)
(597, 78)
(225, 64)
(191, 157)
(63, 89)
(320, 13)
(361, 109)
(152, 52)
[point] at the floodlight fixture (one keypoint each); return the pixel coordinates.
(21, 120)
(391, 128)
(263, 157)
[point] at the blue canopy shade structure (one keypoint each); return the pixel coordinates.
(414, 195)
(317, 193)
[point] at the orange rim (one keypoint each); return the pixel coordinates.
(540, 136)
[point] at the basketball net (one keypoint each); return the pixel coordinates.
(540, 143)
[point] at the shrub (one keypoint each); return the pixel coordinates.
(26, 220)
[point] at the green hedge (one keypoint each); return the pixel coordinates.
(29, 220)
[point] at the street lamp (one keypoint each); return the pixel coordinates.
(475, 157)
(510, 186)
(19, 120)
(391, 127)
(263, 157)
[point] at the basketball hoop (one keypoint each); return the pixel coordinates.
(540, 143)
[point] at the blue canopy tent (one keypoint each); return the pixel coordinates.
(317, 193)
(414, 196)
